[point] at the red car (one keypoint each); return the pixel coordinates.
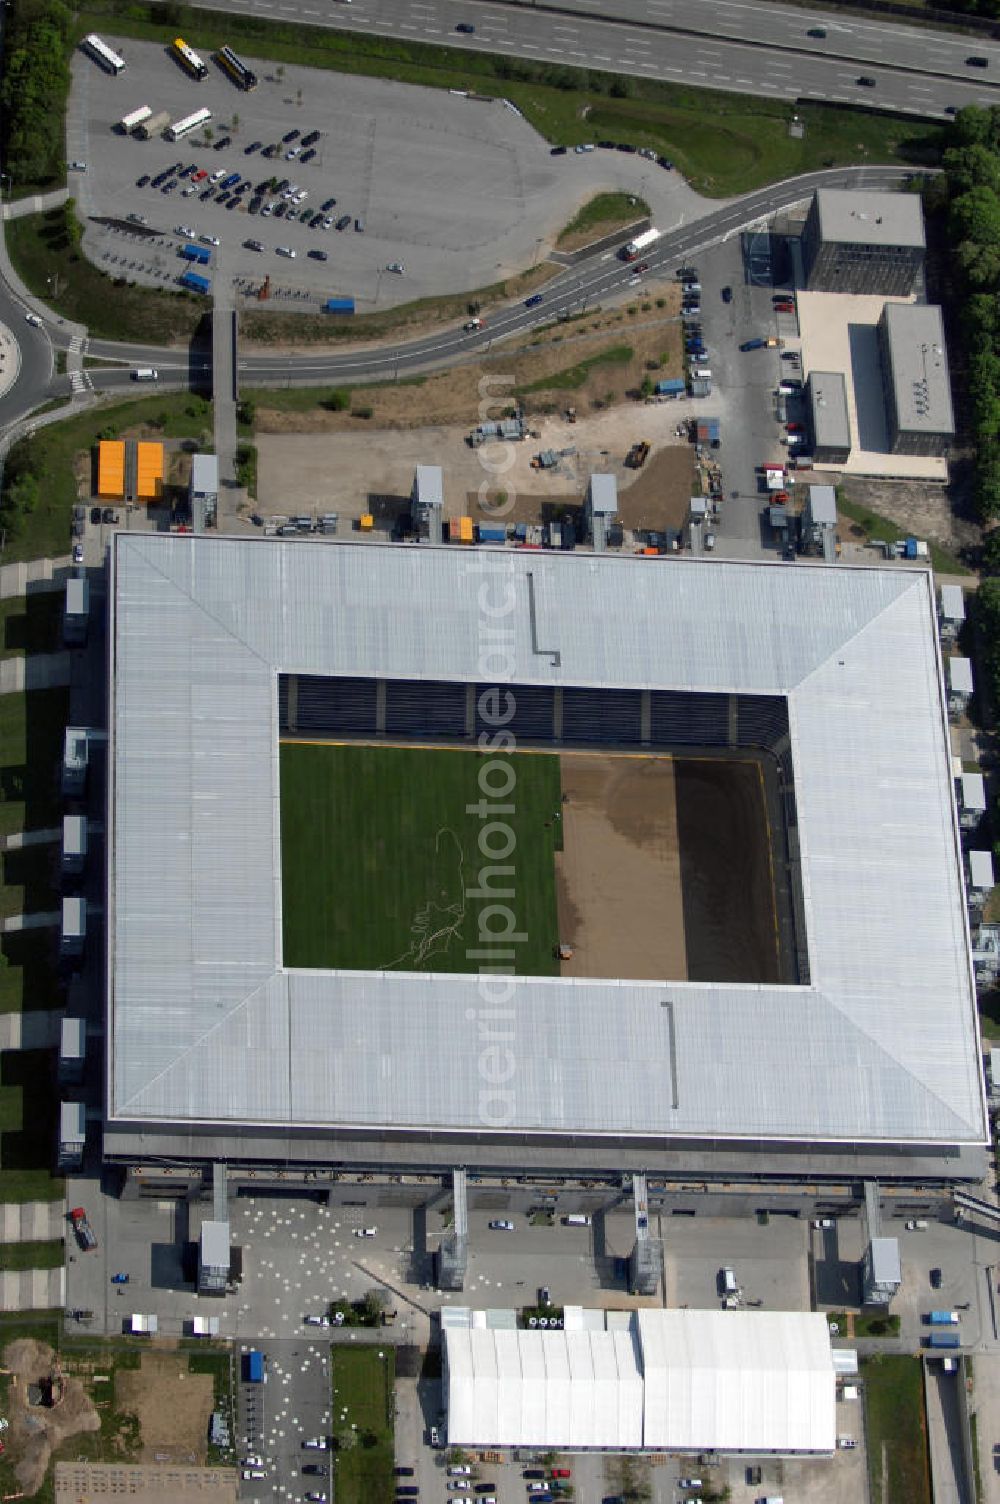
(561, 1472)
(784, 307)
(793, 427)
(199, 177)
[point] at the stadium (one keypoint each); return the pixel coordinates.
(423, 857)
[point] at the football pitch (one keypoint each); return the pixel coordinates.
(381, 862)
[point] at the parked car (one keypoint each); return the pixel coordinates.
(727, 294)
(292, 135)
(501, 1224)
(364, 1232)
(285, 250)
(343, 221)
(319, 255)
(223, 142)
(254, 146)
(935, 1279)
(77, 553)
(142, 182)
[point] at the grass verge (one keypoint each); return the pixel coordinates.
(56, 459)
(28, 1116)
(49, 1255)
(376, 879)
(896, 1430)
(724, 143)
(604, 214)
(246, 468)
(571, 378)
(31, 624)
(47, 258)
(363, 1384)
(874, 525)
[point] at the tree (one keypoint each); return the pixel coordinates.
(971, 167)
(975, 230)
(346, 1440)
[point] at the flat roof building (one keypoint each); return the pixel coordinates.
(863, 242)
(915, 379)
(829, 421)
(215, 1044)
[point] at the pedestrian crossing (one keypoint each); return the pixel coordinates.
(80, 381)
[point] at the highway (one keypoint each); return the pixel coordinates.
(743, 46)
(584, 285)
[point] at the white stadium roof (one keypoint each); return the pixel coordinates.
(207, 1027)
(678, 1380)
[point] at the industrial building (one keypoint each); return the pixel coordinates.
(749, 1383)
(216, 1050)
(829, 421)
(915, 379)
(203, 492)
(863, 242)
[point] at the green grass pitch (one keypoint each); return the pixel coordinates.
(379, 859)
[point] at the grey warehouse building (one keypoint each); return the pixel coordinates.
(863, 242)
(829, 421)
(868, 1064)
(915, 379)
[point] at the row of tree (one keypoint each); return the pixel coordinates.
(34, 91)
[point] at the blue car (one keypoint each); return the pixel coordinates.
(533, 301)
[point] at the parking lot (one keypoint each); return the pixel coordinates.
(458, 192)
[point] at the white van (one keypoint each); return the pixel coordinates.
(576, 1219)
(145, 373)
(702, 373)
(729, 1285)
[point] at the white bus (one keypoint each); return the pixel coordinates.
(189, 123)
(641, 243)
(102, 53)
(128, 123)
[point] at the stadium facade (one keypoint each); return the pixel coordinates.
(868, 1065)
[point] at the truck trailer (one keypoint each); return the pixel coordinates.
(943, 1318)
(672, 387)
(943, 1339)
(643, 242)
(194, 283)
(255, 1367)
(339, 305)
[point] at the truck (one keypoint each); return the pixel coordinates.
(753, 344)
(194, 283)
(643, 242)
(491, 534)
(338, 305)
(128, 122)
(254, 1367)
(85, 1235)
(198, 253)
(672, 387)
(943, 1339)
(942, 1318)
(154, 126)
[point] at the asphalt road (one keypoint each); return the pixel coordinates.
(586, 284)
(743, 47)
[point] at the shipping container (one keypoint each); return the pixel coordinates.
(254, 1367)
(943, 1339)
(339, 305)
(194, 283)
(198, 253)
(492, 534)
(943, 1318)
(674, 387)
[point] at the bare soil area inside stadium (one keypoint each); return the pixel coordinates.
(665, 870)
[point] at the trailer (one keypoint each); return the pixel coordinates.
(643, 242)
(154, 126)
(128, 123)
(197, 253)
(85, 1235)
(943, 1339)
(254, 1367)
(338, 305)
(673, 387)
(943, 1318)
(194, 283)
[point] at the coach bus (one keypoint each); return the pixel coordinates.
(189, 59)
(189, 123)
(102, 53)
(238, 71)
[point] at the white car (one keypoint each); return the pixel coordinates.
(587, 147)
(501, 1225)
(254, 1472)
(315, 1444)
(328, 222)
(186, 231)
(217, 176)
(253, 1461)
(823, 1222)
(316, 1320)
(285, 250)
(267, 210)
(359, 1232)
(78, 166)
(848, 1443)
(292, 153)
(460, 1470)
(301, 196)
(209, 239)
(316, 1498)
(397, 267)
(187, 192)
(77, 553)
(461, 1485)
(538, 1488)
(33, 320)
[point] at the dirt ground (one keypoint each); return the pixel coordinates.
(618, 878)
(173, 1406)
(373, 472)
(924, 509)
(35, 1430)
